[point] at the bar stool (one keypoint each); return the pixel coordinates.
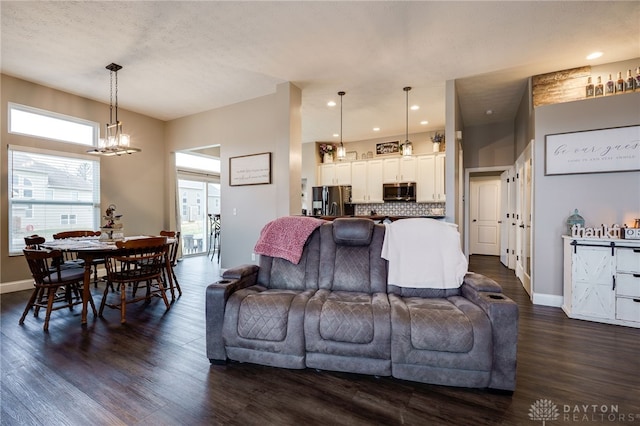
(214, 235)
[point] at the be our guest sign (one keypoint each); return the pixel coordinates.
(252, 169)
(594, 151)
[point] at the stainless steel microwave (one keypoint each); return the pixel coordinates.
(401, 191)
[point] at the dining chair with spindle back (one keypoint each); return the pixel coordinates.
(49, 276)
(36, 242)
(69, 256)
(136, 261)
(173, 259)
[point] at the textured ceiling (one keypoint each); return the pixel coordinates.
(182, 58)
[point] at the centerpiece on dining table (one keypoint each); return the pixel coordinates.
(113, 229)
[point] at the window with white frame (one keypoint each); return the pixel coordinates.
(51, 192)
(29, 121)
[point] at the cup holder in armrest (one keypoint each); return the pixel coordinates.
(496, 296)
(223, 282)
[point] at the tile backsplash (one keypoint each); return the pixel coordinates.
(400, 208)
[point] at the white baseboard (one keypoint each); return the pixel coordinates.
(548, 300)
(27, 284)
(13, 286)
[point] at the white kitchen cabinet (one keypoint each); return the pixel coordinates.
(602, 280)
(439, 177)
(399, 169)
(366, 181)
(335, 173)
(430, 178)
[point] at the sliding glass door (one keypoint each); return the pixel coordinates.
(199, 197)
(198, 200)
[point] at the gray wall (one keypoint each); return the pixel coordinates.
(489, 145)
(524, 122)
(267, 124)
(601, 198)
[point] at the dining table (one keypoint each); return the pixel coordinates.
(89, 248)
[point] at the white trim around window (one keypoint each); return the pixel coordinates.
(40, 123)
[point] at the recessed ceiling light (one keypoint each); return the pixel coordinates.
(336, 135)
(489, 112)
(415, 107)
(376, 129)
(424, 122)
(331, 104)
(594, 55)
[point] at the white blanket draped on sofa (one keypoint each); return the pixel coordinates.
(424, 253)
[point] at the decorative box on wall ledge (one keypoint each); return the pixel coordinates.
(580, 83)
(631, 233)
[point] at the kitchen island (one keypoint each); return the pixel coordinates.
(382, 218)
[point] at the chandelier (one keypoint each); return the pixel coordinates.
(407, 146)
(115, 142)
(342, 151)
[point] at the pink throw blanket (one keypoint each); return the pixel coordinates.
(285, 237)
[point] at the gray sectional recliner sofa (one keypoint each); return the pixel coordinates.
(335, 311)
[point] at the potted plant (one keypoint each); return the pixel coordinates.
(438, 142)
(326, 152)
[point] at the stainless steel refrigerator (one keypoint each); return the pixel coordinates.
(332, 201)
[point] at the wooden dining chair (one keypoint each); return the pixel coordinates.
(173, 259)
(48, 278)
(135, 262)
(71, 257)
(36, 242)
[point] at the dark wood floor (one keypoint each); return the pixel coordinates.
(154, 371)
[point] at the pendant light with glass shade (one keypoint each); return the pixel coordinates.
(342, 152)
(407, 146)
(115, 141)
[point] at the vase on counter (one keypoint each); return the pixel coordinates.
(328, 157)
(574, 219)
(436, 147)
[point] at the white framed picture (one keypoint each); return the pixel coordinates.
(593, 151)
(254, 169)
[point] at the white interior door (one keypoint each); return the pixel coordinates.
(485, 215)
(523, 218)
(504, 218)
(511, 218)
(518, 221)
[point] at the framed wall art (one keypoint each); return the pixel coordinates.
(384, 148)
(593, 151)
(254, 169)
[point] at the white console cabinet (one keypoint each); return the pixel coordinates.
(602, 280)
